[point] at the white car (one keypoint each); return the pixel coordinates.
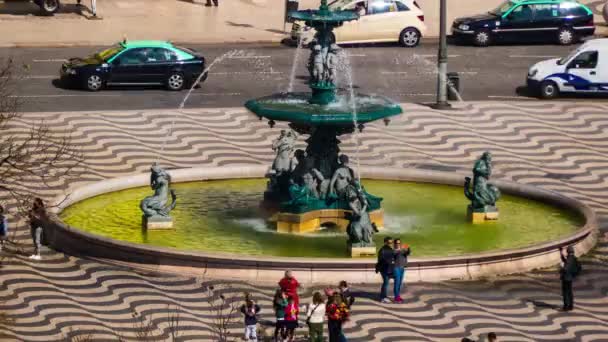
(380, 21)
(584, 70)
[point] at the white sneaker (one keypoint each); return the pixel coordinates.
(386, 300)
(35, 257)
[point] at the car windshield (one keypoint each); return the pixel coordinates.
(503, 8)
(571, 55)
(108, 53)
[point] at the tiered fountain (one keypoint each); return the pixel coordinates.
(316, 187)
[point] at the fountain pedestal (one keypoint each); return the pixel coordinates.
(311, 221)
(156, 222)
(356, 252)
(489, 213)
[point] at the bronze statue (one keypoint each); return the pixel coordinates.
(284, 146)
(360, 229)
(341, 178)
(483, 195)
(156, 205)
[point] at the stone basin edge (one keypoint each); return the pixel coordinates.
(314, 270)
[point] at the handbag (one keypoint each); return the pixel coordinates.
(312, 312)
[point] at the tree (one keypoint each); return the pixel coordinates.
(32, 155)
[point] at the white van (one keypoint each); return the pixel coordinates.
(584, 70)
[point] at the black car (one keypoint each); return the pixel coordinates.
(561, 21)
(135, 63)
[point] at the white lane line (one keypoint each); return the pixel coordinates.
(425, 72)
(415, 94)
(64, 95)
(510, 97)
(435, 55)
(531, 56)
(217, 94)
(51, 60)
(246, 73)
(31, 77)
(248, 57)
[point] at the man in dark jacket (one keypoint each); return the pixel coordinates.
(570, 269)
(385, 265)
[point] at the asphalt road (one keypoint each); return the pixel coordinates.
(405, 75)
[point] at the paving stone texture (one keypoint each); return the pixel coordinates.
(558, 146)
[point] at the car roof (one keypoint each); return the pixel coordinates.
(600, 42)
(145, 43)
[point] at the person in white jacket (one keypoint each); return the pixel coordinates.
(315, 317)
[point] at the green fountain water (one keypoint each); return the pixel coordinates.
(224, 216)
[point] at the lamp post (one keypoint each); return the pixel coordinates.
(442, 60)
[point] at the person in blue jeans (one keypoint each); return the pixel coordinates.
(385, 266)
(401, 253)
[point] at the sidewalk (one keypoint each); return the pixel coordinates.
(182, 21)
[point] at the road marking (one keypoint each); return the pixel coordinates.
(435, 55)
(416, 94)
(65, 95)
(31, 77)
(532, 56)
(247, 57)
(510, 97)
(217, 94)
(425, 72)
(246, 73)
(52, 60)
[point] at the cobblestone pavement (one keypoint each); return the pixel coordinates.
(557, 146)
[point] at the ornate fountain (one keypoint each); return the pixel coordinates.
(311, 188)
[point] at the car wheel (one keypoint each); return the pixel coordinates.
(410, 37)
(49, 7)
(549, 90)
(94, 82)
(565, 36)
(482, 38)
(175, 81)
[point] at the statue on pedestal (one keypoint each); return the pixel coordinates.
(360, 228)
(483, 195)
(156, 207)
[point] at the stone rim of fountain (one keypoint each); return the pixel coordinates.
(167, 260)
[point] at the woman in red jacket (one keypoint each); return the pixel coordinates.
(290, 285)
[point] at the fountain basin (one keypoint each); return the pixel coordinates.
(296, 108)
(320, 270)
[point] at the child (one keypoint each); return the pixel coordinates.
(291, 318)
(250, 310)
(3, 228)
(279, 304)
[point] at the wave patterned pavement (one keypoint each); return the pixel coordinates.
(558, 146)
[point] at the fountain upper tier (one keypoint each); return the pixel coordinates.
(296, 108)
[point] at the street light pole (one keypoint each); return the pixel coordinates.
(442, 60)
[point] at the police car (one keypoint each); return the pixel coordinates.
(584, 70)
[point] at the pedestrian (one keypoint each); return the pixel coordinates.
(466, 339)
(37, 217)
(279, 304)
(315, 317)
(291, 318)
(568, 272)
(492, 337)
(385, 266)
(215, 2)
(93, 7)
(337, 313)
(401, 254)
(346, 294)
(3, 228)
(250, 309)
(290, 285)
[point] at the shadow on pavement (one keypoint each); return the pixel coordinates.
(25, 8)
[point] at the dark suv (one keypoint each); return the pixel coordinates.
(561, 21)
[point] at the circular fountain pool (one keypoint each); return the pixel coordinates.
(223, 216)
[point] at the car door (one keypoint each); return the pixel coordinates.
(516, 25)
(126, 67)
(546, 22)
(582, 72)
(349, 31)
(375, 25)
(158, 64)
